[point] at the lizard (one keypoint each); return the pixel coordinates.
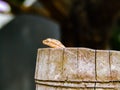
(53, 43)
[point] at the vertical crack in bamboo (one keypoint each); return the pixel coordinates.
(110, 64)
(95, 71)
(63, 62)
(48, 62)
(77, 62)
(62, 65)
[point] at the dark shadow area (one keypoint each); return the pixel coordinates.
(19, 41)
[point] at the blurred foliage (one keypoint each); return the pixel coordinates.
(17, 1)
(88, 22)
(115, 40)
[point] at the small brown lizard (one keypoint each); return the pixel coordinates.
(53, 43)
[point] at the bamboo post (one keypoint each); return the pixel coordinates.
(77, 69)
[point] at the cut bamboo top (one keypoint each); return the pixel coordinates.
(78, 65)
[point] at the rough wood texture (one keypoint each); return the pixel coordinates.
(77, 69)
(102, 65)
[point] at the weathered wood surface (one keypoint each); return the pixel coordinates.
(77, 69)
